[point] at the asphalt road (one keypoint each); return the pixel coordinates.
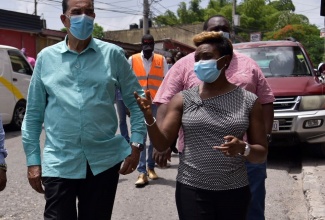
(295, 189)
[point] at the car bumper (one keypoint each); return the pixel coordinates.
(293, 129)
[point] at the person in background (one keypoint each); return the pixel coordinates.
(170, 62)
(31, 60)
(212, 181)
(179, 55)
(243, 72)
(150, 69)
(72, 93)
(3, 155)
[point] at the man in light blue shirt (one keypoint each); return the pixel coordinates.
(3, 155)
(72, 92)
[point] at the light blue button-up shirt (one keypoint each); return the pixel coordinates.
(3, 151)
(73, 95)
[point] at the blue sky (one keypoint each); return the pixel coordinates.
(119, 14)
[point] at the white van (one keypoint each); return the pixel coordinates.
(15, 75)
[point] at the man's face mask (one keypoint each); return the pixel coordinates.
(81, 26)
(207, 70)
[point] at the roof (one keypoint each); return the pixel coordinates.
(11, 20)
(281, 43)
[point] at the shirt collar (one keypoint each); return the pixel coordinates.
(91, 45)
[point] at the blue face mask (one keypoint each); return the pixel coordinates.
(207, 70)
(81, 26)
(226, 35)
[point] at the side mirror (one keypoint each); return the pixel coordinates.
(320, 72)
(321, 69)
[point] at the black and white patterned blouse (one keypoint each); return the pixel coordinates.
(205, 123)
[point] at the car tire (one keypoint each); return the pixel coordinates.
(18, 116)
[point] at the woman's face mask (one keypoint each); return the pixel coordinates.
(207, 70)
(81, 26)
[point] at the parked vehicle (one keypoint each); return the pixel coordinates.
(299, 108)
(15, 75)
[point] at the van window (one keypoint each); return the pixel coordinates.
(279, 61)
(19, 63)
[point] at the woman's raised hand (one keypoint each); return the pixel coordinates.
(144, 103)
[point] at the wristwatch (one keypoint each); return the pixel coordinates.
(247, 150)
(138, 145)
(269, 138)
(3, 166)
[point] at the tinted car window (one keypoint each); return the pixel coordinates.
(19, 63)
(279, 61)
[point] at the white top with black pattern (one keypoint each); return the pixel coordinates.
(205, 124)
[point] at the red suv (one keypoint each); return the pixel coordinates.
(299, 108)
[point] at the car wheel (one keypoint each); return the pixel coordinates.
(18, 116)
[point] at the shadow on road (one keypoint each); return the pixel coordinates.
(286, 158)
(10, 133)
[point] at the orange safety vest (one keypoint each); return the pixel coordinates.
(155, 75)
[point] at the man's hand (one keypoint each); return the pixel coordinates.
(162, 157)
(3, 179)
(34, 175)
(131, 162)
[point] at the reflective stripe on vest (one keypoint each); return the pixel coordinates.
(155, 76)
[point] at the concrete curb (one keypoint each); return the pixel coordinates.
(312, 190)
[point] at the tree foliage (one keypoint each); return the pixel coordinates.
(274, 19)
(98, 31)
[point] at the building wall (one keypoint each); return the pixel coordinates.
(43, 42)
(19, 40)
(183, 34)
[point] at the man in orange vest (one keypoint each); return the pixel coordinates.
(150, 69)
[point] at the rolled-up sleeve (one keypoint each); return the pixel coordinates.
(264, 91)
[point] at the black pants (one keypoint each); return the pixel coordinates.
(193, 203)
(95, 195)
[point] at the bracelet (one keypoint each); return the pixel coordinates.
(154, 121)
(3, 167)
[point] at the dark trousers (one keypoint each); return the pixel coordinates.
(256, 177)
(95, 195)
(193, 203)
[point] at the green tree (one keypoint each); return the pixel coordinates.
(267, 16)
(283, 5)
(98, 31)
(168, 18)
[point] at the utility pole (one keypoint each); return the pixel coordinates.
(145, 17)
(35, 5)
(233, 18)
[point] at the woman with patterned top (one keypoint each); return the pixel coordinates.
(212, 179)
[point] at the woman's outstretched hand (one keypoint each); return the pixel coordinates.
(144, 103)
